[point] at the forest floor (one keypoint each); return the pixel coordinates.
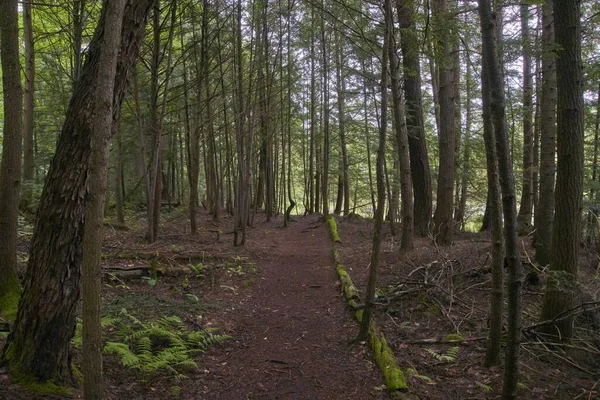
(278, 299)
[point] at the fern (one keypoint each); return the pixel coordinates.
(449, 357)
(163, 345)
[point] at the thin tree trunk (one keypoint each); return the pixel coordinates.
(365, 325)
(525, 210)
(100, 129)
(494, 207)
(513, 262)
(28, 114)
(10, 167)
(119, 175)
(401, 138)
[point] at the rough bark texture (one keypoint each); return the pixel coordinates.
(39, 346)
(525, 209)
(10, 168)
(401, 140)
(419, 159)
(494, 207)
(544, 214)
(443, 217)
(28, 110)
(100, 129)
(561, 287)
(509, 204)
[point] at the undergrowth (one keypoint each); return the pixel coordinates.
(163, 345)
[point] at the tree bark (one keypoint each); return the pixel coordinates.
(47, 309)
(513, 261)
(100, 129)
(525, 210)
(10, 167)
(561, 287)
(365, 325)
(29, 106)
(419, 159)
(443, 218)
(544, 215)
(406, 184)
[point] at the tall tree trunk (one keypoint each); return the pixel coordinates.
(419, 159)
(379, 212)
(28, 114)
(47, 310)
(494, 208)
(544, 215)
(401, 138)
(443, 218)
(464, 182)
(100, 130)
(513, 262)
(10, 167)
(525, 210)
(341, 89)
(561, 287)
(326, 146)
(313, 117)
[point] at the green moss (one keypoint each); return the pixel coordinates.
(454, 337)
(333, 232)
(9, 301)
(29, 383)
(385, 360)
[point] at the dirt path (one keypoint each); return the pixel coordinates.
(292, 330)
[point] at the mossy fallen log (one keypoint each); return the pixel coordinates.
(333, 232)
(395, 381)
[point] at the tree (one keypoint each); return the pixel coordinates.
(561, 286)
(401, 141)
(365, 325)
(10, 167)
(28, 111)
(100, 129)
(47, 309)
(443, 218)
(495, 85)
(419, 158)
(525, 210)
(544, 214)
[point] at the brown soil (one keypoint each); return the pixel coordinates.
(278, 297)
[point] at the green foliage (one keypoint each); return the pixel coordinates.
(413, 372)
(449, 357)
(333, 232)
(162, 345)
(487, 388)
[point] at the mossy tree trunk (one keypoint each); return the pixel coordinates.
(39, 346)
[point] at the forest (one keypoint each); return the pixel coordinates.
(300, 199)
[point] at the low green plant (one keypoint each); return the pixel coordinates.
(162, 345)
(448, 357)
